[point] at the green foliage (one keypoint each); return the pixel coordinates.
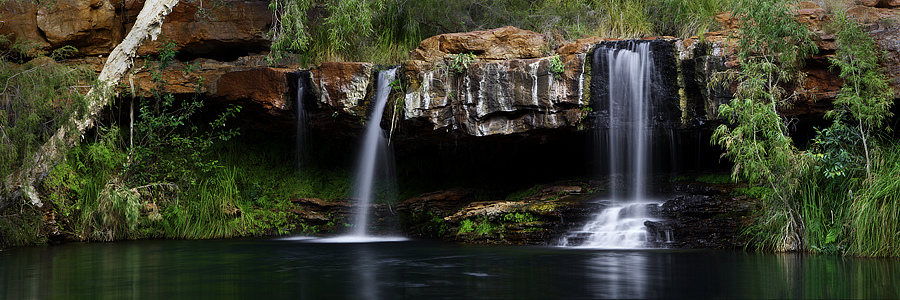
(519, 217)
(63, 52)
(772, 48)
(865, 98)
(686, 18)
(37, 98)
(624, 19)
(384, 31)
(823, 205)
(459, 63)
(714, 178)
(289, 33)
(208, 210)
(837, 152)
(485, 227)
(838, 220)
(875, 212)
(167, 145)
(756, 192)
(522, 194)
(466, 226)
(20, 50)
(20, 226)
(556, 66)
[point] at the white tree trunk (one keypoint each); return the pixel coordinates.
(22, 182)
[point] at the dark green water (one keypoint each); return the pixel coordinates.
(270, 268)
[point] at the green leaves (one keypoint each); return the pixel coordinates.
(772, 47)
(459, 63)
(865, 95)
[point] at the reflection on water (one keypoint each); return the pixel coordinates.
(300, 269)
(618, 275)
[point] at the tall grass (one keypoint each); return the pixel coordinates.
(824, 204)
(875, 211)
(624, 19)
(209, 210)
(686, 18)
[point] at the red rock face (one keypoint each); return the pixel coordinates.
(266, 87)
(91, 26)
(880, 3)
(223, 30)
(495, 44)
(507, 89)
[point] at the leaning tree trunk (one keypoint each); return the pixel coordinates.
(22, 182)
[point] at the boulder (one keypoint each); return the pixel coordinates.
(91, 26)
(265, 86)
(20, 23)
(223, 30)
(495, 44)
(879, 3)
(701, 221)
(343, 86)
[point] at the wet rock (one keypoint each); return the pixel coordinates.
(581, 45)
(697, 189)
(498, 98)
(701, 221)
(344, 86)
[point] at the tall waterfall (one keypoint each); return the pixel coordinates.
(374, 158)
(621, 138)
(301, 123)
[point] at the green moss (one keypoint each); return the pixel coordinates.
(522, 194)
(519, 217)
(714, 178)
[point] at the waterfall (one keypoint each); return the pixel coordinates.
(374, 153)
(622, 140)
(301, 123)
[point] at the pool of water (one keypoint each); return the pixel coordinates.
(301, 268)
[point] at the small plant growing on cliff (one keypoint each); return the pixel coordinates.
(519, 217)
(466, 226)
(459, 63)
(556, 66)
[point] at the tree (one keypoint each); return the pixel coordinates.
(22, 182)
(865, 98)
(772, 47)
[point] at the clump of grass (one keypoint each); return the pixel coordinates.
(209, 210)
(624, 19)
(714, 178)
(875, 212)
(522, 194)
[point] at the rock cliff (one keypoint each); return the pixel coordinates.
(472, 87)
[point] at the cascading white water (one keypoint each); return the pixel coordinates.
(301, 123)
(374, 146)
(624, 138)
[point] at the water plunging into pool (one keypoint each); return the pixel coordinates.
(374, 171)
(622, 134)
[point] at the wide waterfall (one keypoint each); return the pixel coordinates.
(375, 159)
(622, 140)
